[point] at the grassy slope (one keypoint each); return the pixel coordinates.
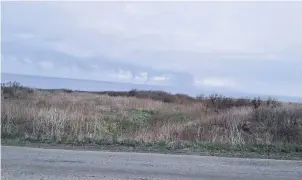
(134, 120)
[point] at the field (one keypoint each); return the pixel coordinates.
(150, 118)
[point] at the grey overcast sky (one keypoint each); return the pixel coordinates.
(245, 46)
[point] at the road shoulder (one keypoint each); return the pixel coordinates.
(155, 149)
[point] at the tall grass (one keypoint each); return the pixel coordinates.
(81, 116)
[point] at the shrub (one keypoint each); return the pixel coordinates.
(14, 90)
(67, 90)
(256, 102)
(272, 102)
(132, 92)
(283, 124)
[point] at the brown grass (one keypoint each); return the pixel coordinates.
(75, 116)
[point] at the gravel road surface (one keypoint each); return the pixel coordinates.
(53, 164)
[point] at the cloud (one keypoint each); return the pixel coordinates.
(206, 27)
(46, 64)
(24, 36)
(160, 78)
(27, 60)
(122, 75)
(141, 77)
(218, 82)
(249, 46)
(67, 66)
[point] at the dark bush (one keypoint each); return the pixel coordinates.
(14, 90)
(283, 124)
(256, 102)
(132, 92)
(67, 90)
(272, 102)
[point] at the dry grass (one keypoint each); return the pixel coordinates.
(78, 116)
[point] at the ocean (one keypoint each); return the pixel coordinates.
(86, 85)
(91, 85)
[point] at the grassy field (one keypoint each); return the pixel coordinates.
(150, 118)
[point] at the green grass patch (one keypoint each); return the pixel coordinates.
(279, 151)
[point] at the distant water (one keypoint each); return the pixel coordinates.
(84, 85)
(90, 85)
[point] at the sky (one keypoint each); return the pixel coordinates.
(242, 46)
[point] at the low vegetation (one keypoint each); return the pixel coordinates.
(150, 118)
